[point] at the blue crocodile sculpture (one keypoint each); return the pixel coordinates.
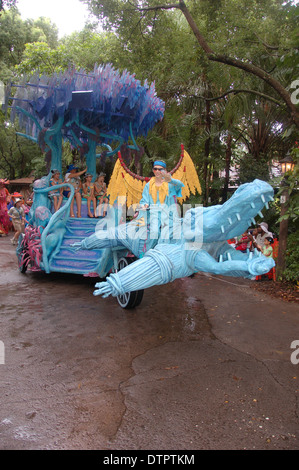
(197, 242)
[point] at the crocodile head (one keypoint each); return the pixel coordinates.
(231, 219)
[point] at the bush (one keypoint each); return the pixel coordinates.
(292, 258)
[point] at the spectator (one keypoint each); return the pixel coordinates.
(17, 215)
(262, 233)
(243, 243)
(267, 249)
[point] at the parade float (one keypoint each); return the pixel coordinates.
(109, 109)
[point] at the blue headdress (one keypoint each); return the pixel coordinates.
(160, 163)
(71, 167)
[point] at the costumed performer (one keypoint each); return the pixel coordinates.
(101, 194)
(160, 196)
(162, 188)
(56, 195)
(157, 218)
(4, 200)
(73, 177)
(88, 194)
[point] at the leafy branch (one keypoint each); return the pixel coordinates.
(231, 61)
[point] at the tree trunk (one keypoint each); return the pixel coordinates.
(228, 155)
(283, 235)
(207, 153)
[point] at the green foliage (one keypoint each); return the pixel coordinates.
(87, 48)
(39, 56)
(293, 178)
(250, 168)
(16, 153)
(5, 4)
(43, 30)
(81, 50)
(291, 272)
(16, 33)
(38, 165)
(290, 180)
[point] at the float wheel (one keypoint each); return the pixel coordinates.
(23, 258)
(129, 299)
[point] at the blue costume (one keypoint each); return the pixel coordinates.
(166, 193)
(158, 221)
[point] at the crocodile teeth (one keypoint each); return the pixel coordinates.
(252, 205)
(222, 229)
(229, 257)
(230, 221)
(266, 205)
(263, 198)
(253, 221)
(271, 198)
(238, 216)
(250, 255)
(260, 214)
(220, 259)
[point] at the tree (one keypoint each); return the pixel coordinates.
(15, 34)
(219, 112)
(43, 30)
(18, 156)
(7, 4)
(16, 153)
(87, 48)
(116, 10)
(40, 57)
(81, 49)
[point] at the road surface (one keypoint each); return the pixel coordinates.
(202, 363)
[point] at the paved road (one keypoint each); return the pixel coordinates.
(202, 363)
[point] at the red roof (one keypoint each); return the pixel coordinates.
(28, 180)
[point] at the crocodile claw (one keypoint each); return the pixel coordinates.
(260, 265)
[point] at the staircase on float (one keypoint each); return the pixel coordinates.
(69, 260)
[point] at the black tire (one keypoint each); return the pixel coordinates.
(130, 299)
(22, 262)
(23, 267)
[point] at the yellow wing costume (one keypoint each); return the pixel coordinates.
(124, 182)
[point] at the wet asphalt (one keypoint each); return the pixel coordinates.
(204, 363)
